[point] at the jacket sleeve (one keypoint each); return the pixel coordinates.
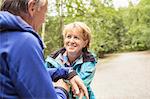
(29, 75)
(57, 72)
(51, 66)
(86, 72)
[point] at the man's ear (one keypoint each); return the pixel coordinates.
(31, 7)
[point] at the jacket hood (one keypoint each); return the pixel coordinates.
(10, 22)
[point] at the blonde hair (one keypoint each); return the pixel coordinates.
(81, 28)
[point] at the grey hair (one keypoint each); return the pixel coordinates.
(17, 6)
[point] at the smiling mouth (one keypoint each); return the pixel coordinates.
(71, 47)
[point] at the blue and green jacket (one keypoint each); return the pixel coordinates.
(84, 66)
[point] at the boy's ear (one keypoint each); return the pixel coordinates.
(31, 7)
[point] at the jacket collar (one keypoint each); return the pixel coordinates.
(10, 22)
(87, 56)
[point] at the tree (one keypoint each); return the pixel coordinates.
(125, 29)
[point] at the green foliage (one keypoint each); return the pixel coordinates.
(125, 29)
(0, 3)
(53, 36)
(137, 21)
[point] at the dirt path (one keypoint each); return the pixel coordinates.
(123, 76)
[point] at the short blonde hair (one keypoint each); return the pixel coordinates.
(81, 28)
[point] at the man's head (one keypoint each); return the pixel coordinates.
(32, 11)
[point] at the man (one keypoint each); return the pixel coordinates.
(22, 71)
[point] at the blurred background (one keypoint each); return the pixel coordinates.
(120, 39)
(116, 25)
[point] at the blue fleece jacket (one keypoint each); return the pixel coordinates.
(22, 71)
